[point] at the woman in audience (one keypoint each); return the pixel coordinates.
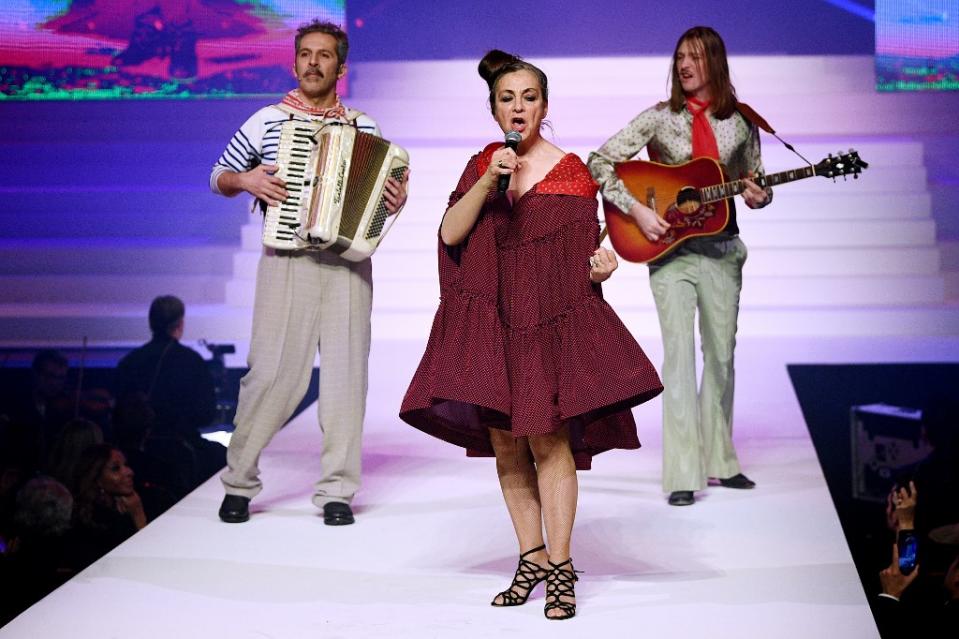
(71, 442)
(107, 509)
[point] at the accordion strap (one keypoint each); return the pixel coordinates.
(352, 115)
(286, 109)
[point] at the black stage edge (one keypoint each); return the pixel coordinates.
(827, 393)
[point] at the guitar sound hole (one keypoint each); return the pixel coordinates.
(687, 200)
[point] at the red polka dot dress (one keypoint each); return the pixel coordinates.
(522, 339)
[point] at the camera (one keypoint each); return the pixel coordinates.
(218, 350)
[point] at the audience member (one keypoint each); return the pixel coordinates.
(921, 602)
(177, 383)
(49, 399)
(74, 438)
(36, 412)
(30, 415)
(165, 395)
(107, 508)
(890, 617)
(38, 557)
(162, 475)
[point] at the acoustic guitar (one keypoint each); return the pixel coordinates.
(692, 198)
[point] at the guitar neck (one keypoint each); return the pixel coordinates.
(729, 189)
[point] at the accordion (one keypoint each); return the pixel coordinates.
(335, 177)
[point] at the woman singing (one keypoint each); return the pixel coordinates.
(525, 360)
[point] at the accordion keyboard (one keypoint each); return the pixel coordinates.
(293, 157)
(335, 178)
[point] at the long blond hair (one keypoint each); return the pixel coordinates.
(722, 93)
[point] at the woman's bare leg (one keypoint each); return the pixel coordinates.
(558, 490)
(517, 478)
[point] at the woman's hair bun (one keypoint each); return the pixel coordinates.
(492, 62)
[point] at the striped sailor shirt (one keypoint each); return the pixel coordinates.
(257, 140)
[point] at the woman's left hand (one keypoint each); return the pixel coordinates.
(396, 193)
(601, 265)
(755, 196)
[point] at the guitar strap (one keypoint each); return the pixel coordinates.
(759, 121)
(751, 116)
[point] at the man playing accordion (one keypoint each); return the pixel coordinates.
(305, 299)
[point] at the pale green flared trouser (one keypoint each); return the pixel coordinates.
(304, 301)
(697, 426)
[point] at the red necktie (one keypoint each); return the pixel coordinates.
(704, 141)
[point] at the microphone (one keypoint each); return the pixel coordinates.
(512, 141)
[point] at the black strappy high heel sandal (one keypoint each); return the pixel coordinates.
(528, 575)
(560, 583)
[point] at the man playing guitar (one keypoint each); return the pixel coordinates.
(701, 119)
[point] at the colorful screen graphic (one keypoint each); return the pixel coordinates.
(917, 45)
(109, 49)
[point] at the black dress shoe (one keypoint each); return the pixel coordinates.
(681, 498)
(737, 481)
(235, 509)
(336, 513)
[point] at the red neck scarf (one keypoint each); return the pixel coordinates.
(295, 101)
(704, 141)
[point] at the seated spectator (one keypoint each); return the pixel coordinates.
(30, 415)
(107, 509)
(35, 412)
(38, 557)
(161, 476)
(921, 602)
(892, 621)
(176, 382)
(49, 399)
(74, 438)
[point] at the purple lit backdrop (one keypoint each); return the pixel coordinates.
(424, 29)
(89, 170)
(140, 170)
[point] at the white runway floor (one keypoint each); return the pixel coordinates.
(433, 543)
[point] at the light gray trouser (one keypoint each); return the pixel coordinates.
(304, 301)
(697, 427)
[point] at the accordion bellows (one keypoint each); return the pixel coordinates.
(335, 177)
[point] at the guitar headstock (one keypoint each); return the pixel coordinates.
(844, 164)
